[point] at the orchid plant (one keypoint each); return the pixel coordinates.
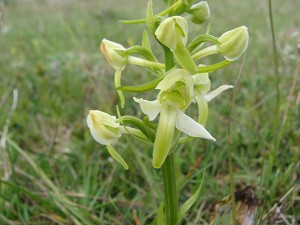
(181, 81)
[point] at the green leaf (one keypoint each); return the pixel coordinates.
(150, 21)
(213, 67)
(141, 125)
(200, 39)
(143, 87)
(142, 51)
(138, 21)
(160, 214)
(146, 42)
(190, 202)
(116, 156)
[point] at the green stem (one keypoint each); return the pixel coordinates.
(273, 151)
(169, 182)
(168, 172)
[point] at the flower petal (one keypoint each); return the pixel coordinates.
(187, 125)
(211, 95)
(202, 109)
(150, 108)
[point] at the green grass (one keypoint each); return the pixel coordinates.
(59, 175)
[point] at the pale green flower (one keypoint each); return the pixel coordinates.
(176, 93)
(202, 85)
(103, 127)
(106, 130)
(232, 44)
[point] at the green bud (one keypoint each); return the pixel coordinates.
(199, 12)
(114, 54)
(234, 43)
(171, 31)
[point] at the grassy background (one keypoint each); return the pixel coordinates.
(52, 172)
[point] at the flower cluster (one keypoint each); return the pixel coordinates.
(180, 82)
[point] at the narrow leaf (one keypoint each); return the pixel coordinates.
(160, 215)
(146, 42)
(116, 156)
(142, 51)
(190, 202)
(150, 22)
(213, 67)
(200, 39)
(143, 87)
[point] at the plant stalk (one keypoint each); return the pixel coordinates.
(169, 182)
(168, 172)
(275, 129)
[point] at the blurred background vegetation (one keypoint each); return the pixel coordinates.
(52, 74)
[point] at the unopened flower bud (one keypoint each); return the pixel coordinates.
(114, 54)
(103, 127)
(234, 43)
(199, 12)
(171, 31)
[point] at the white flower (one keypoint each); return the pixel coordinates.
(175, 95)
(106, 131)
(114, 54)
(103, 127)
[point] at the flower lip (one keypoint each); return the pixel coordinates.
(177, 87)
